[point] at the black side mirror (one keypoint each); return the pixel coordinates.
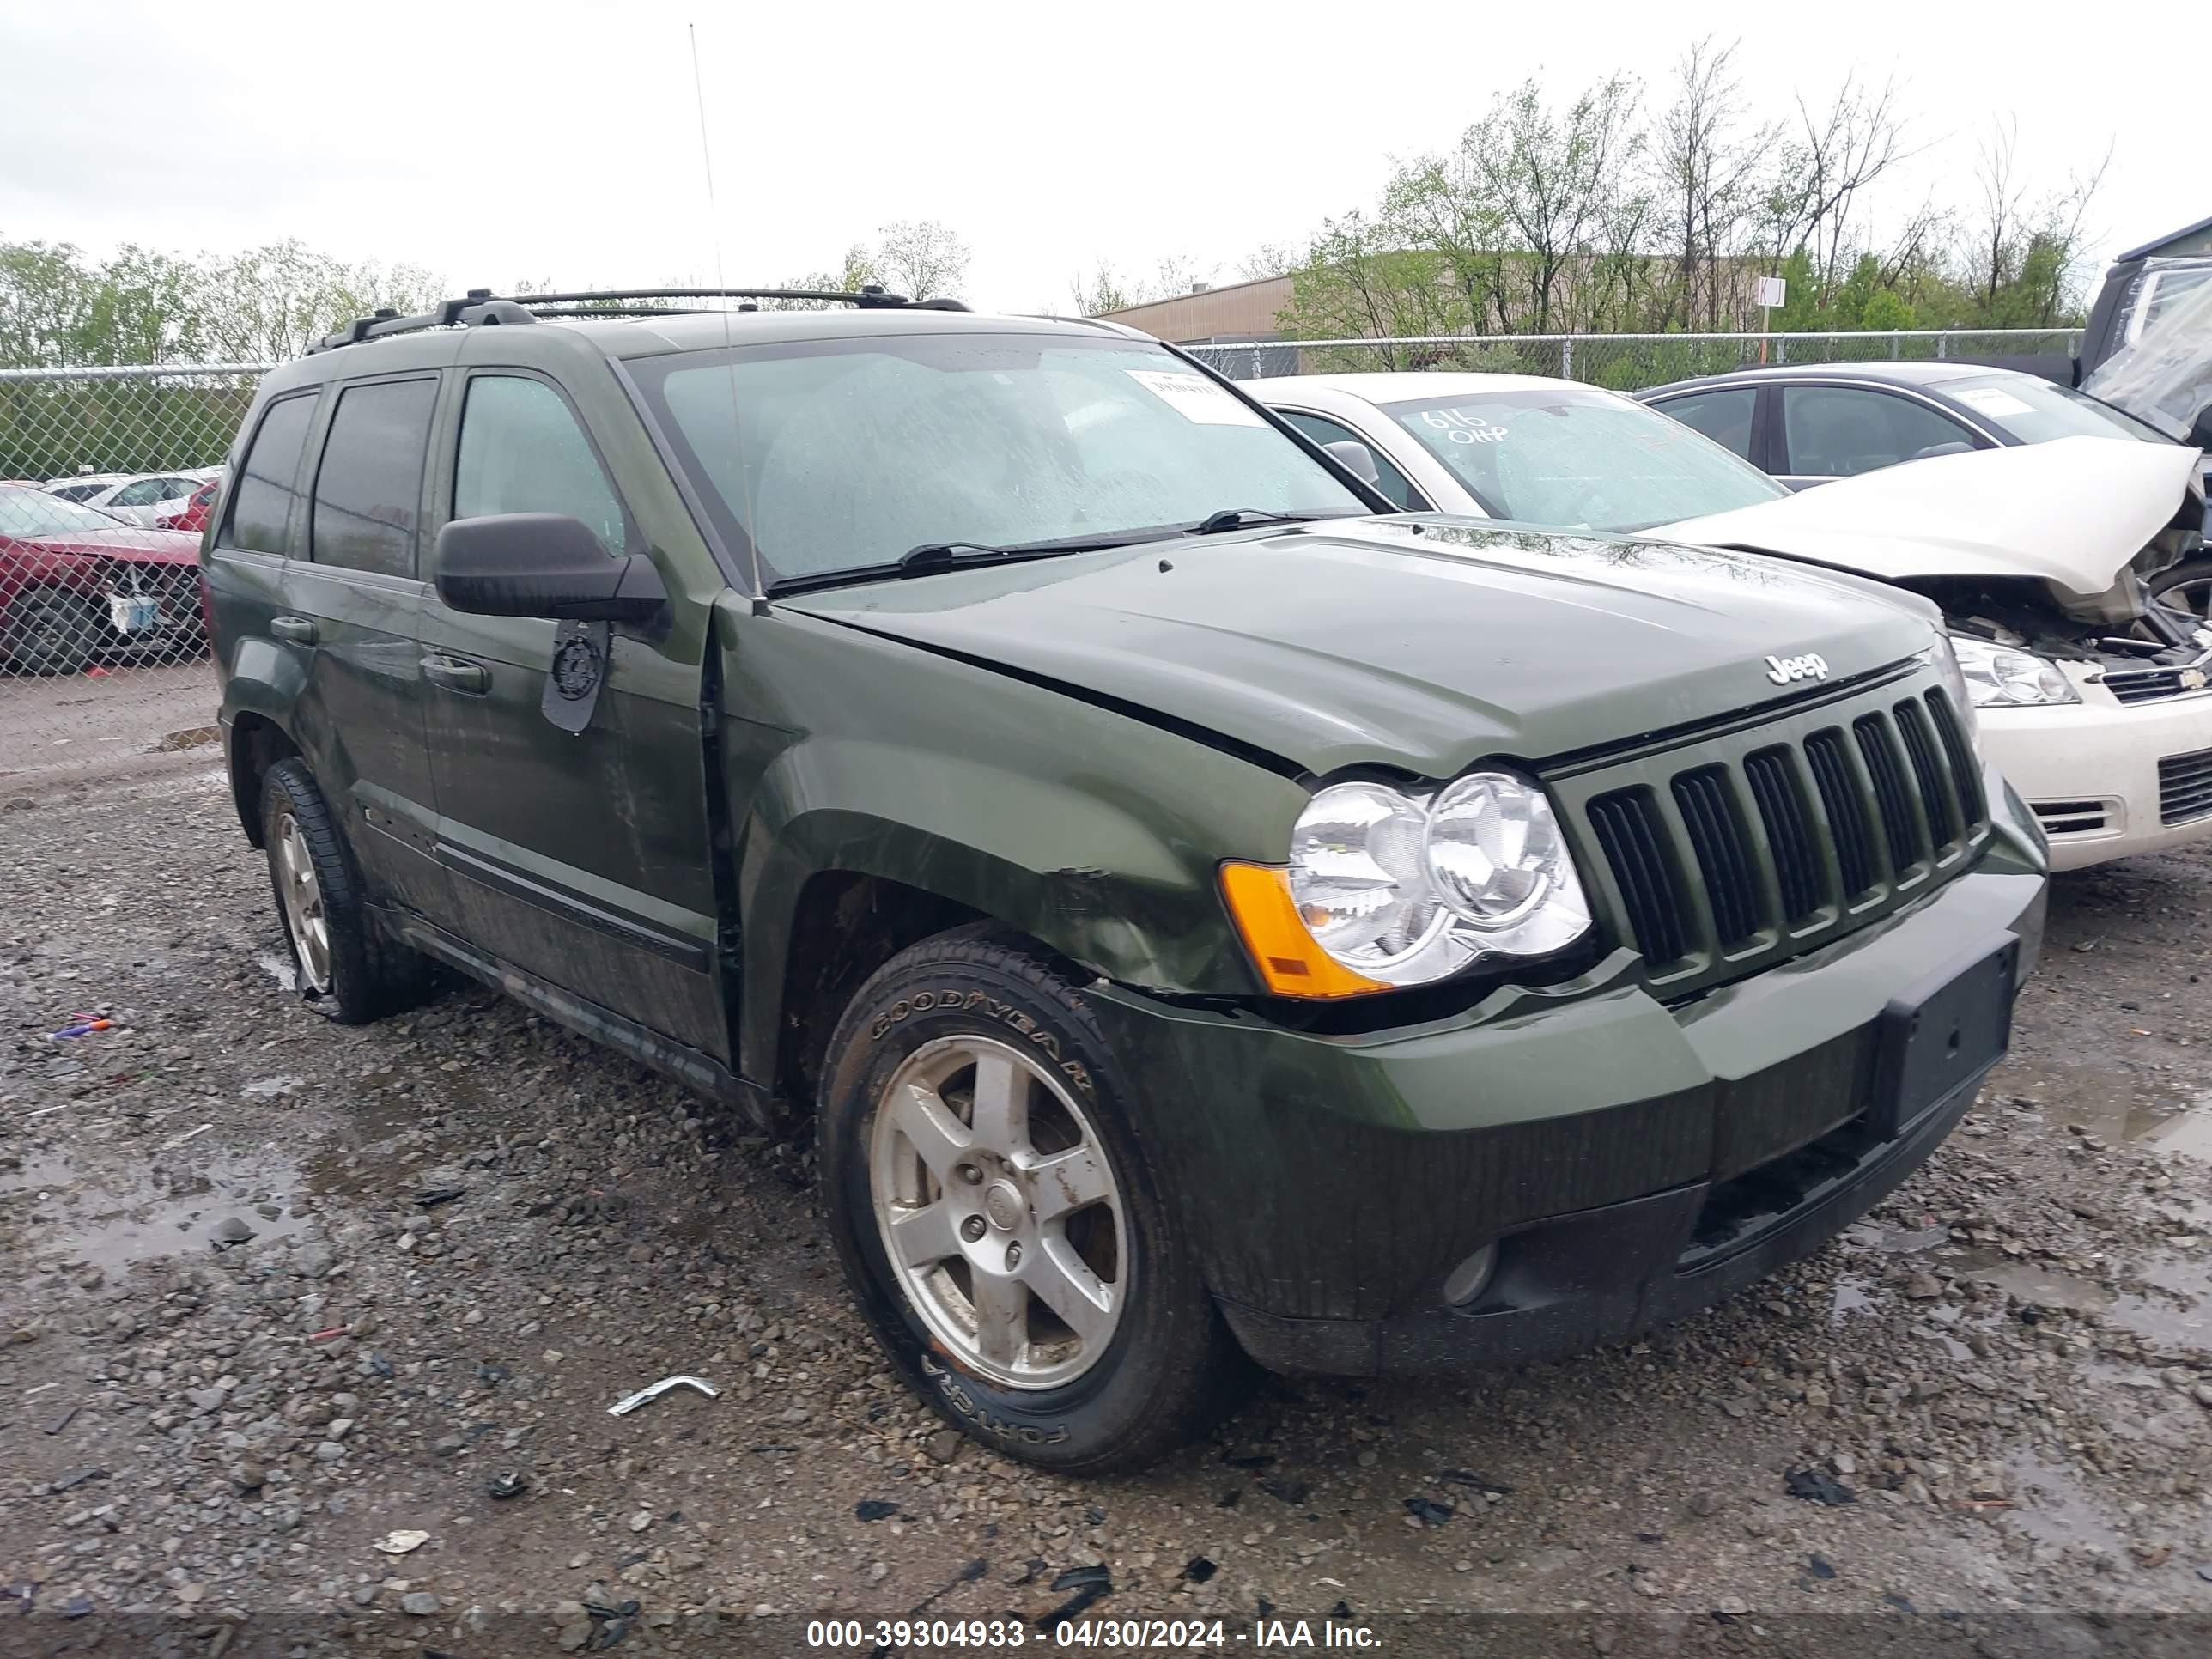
(542, 564)
(2201, 433)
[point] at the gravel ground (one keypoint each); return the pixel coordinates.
(120, 720)
(464, 1233)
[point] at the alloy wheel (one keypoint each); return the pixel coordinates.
(302, 899)
(999, 1213)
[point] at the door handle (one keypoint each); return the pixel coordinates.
(456, 675)
(298, 629)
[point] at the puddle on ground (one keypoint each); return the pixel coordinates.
(2052, 1506)
(2179, 1316)
(120, 1216)
(2047, 1287)
(2122, 1106)
(2176, 1313)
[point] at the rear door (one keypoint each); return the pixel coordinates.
(1728, 414)
(352, 591)
(580, 855)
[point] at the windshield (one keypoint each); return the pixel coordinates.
(2035, 412)
(33, 513)
(844, 455)
(1562, 456)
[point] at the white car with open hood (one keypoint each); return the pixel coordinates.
(2094, 701)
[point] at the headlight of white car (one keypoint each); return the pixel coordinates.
(1997, 676)
(1945, 661)
(1407, 889)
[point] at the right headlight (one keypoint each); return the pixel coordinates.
(1998, 676)
(1399, 888)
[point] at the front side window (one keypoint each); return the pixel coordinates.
(1566, 455)
(522, 452)
(845, 455)
(369, 488)
(261, 504)
(1723, 415)
(1391, 482)
(1839, 432)
(144, 493)
(79, 492)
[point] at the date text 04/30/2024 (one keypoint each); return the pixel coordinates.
(1109, 1635)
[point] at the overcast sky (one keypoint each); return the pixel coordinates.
(562, 140)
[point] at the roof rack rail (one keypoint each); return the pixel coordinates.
(479, 307)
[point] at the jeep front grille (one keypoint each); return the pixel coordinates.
(2185, 787)
(1734, 861)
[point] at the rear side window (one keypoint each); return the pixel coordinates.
(1723, 416)
(261, 502)
(369, 488)
(523, 452)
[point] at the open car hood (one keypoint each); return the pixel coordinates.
(2086, 517)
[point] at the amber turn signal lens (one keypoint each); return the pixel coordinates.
(1291, 962)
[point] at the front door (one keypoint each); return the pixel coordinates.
(579, 855)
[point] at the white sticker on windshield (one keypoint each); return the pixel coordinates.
(1992, 400)
(1463, 426)
(1195, 397)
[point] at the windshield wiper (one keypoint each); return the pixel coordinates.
(930, 557)
(1235, 517)
(930, 553)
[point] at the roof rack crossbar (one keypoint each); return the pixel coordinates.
(480, 307)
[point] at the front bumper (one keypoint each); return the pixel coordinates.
(2090, 772)
(1633, 1161)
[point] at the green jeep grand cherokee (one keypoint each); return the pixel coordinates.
(1195, 913)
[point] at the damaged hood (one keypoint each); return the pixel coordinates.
(1422, 643)
(2086, 517)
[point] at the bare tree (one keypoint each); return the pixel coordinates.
(1710, 166)
(921, 258)
(2024, 255)
(271, 303)
(1106, 290)
(1821, 173)
(1552, 177)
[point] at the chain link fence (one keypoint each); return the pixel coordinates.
(108, 475)
(1627, 362)
(106, 478)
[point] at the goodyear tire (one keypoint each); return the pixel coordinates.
(1001, 1228)
(344, 966)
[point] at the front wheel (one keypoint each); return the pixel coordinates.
(2187, 587)
(52, 631)
(1000, 1225)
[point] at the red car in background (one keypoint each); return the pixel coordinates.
(199, 509)
(77, 586)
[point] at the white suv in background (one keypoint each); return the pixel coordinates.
(138, 498)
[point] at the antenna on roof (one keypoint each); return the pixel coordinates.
(729, 368)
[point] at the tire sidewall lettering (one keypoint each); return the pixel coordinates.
(991, 1008)
(955, 1393)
